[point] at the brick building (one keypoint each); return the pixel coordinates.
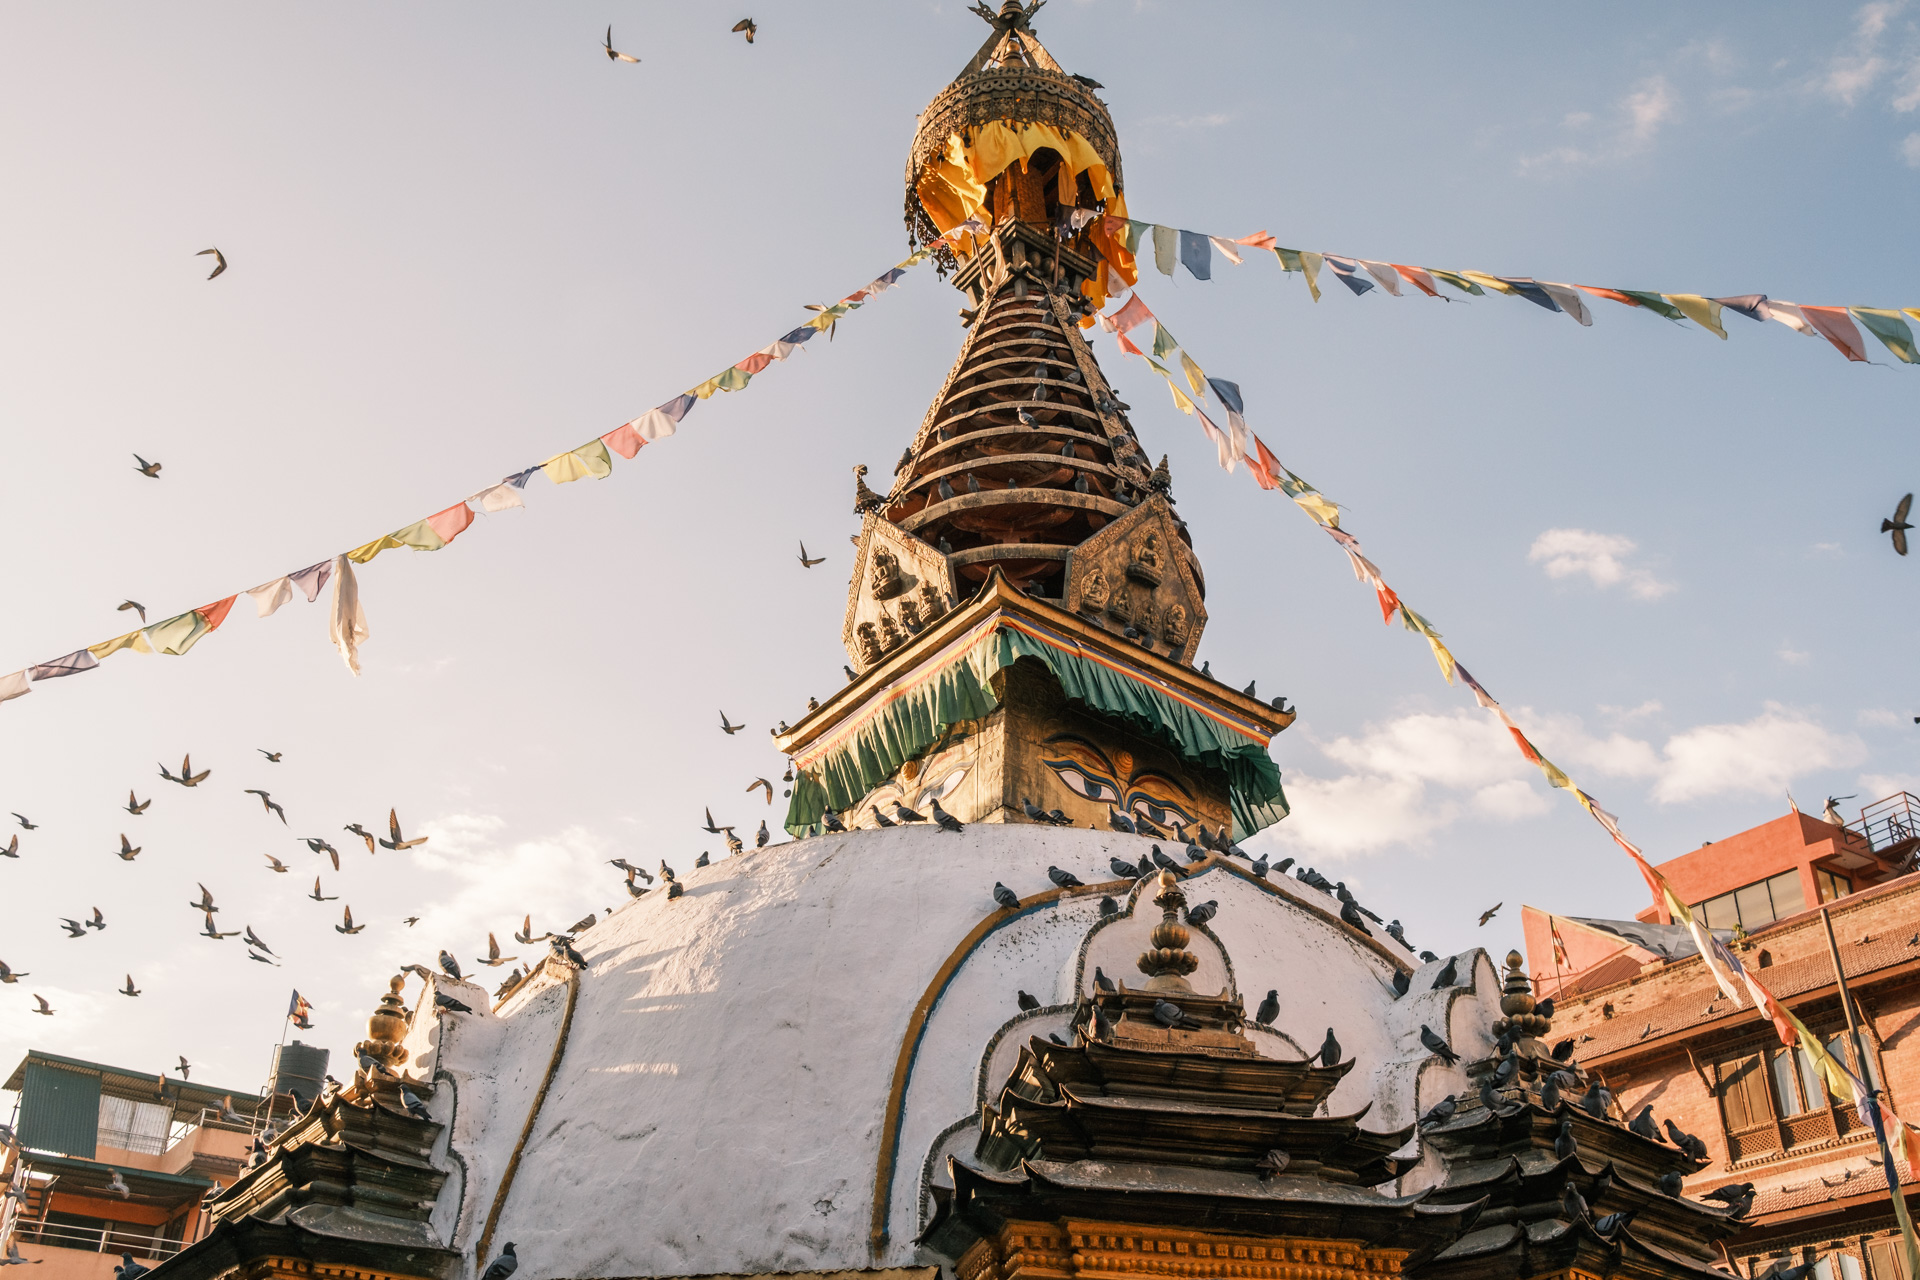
(1660, 1033)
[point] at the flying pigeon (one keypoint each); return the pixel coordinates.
(348, 926)
(746, 27)
(1488, 914)
(1898, 526)
(219, 265)
(187, 778)
(613, 55)
(398, 842)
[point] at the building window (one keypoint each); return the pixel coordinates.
(1758, 904)
(1773, 1102)
(134, 1126)
(1838, 1266)
(1831, 886)
(1887, 1259)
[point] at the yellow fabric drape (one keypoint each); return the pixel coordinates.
(588, 460)
(134, 640)
(1704, 312)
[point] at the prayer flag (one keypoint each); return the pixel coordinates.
(1559, 944)
(1229, 393)
(1891, 329)
(1128, 232)
(588, 460)
(1384, 273)
(1166, 247)
(1226, 248)
(1164, 344)
(312, 578)
(1308, 264)
(1258, 240)
(1441, 654)
(453, 522)
(1751, 305)
(269, 596)
(1788, 314)
(1529, 288)
(1480, 694)
(419, 535)
(1195, 378)
(1265, 467)
(1570, 301)
(499, 498)
(14, 686)
(176, 635)
(1494, 283)
(1837, 327)
(216, 613)
(347, 620)
(623, 440)
(659, 423)
(298, 1007)
(1309, 499)
(1221, 445)
(1419, 278)
(1126, 345)
(134, 640)
(1458, 281)
(1130, 316)
(1704, 312)
(1343, 270)
(1664, 894)
(1654, 302)
(754, 363)
(73, 664)
(1196, 254)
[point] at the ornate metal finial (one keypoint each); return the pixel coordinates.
(865, 500)
(1012, 16)
(1169, 962)
(1161, 481)
(386, 1028)
(1517, 1002)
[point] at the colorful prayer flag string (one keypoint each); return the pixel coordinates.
(1840, 326)
(347, 625)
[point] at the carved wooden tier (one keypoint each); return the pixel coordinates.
(1192, 1126)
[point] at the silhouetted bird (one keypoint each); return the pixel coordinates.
(1670, 1183)
(1898, 526)
(1613, 1223)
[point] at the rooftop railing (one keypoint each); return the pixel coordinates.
(1891, 827)
(106, 1238)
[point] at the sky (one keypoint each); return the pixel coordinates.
(462, 240)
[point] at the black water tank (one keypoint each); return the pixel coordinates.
(299, 1068)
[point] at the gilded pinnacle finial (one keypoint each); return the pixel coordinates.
(1517, 1003)
(1168, 963)
(386, 1028)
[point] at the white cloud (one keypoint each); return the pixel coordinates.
(1796, 657)
(1462, 749)
(1600, 557)
(1623, 715)
(1850, 74)
(1629, 129)
(1878, 786)
(1358, 813)
(1758, 757)
(1879, 718)
(1511, 800)
(1910, 150)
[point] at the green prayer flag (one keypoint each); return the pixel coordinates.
(1458, 281)
(1163, 343)
(1654, 302)
(1307, 264)
(1890, 329)
(1135, 230)
(1166, 249)
(177, 635)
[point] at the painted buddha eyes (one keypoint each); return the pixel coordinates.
(1161, 813)
(1081, 783)
(943, 788)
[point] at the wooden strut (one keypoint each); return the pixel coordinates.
(533, 1114)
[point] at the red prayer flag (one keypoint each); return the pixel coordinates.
(1259, 240)
(623, 440)
(1266, 469)
(452, 522)
(755, 362)
(1388, 601)
(1130, 316)
(1611, 294)
(1417, 277)
(216, 613)
(1837, 327)
(1127, 346)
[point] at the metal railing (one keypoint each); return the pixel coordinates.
(1891, 825)
(101, 1239)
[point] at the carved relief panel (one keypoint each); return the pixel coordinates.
(900, 586)
(1135, 573)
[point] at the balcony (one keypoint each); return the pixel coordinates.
(1891, 828)
(107, 1237)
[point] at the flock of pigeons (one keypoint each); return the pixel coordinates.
(257, 948)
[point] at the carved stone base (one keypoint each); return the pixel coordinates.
(1071, 1249)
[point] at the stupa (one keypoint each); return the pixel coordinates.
(1012, 1042)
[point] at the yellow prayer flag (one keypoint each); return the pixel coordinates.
(1195, 377)
(1704, 312)
(1319, 508)
(362, 554)
(134, 640)
(588, 460)
(704, 390)
(419, 535)
(1308, 264)
(1443, 656)
(1494, 283)
(1180, 399)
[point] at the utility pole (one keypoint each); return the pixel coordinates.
(1879, 1115)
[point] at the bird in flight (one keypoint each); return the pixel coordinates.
(30, 826)
(761, 782)
(746, 27)
(710, 829)
(135, 605)
(411, 921)
(725, 727)
(349, 927)
(274, 864)
(129, 989)
(824, 306)
(360, 831)
(151, 470)
(187, 778)
(135, 805)
(253, 940)
(8, 975)
(98, 922)
(1898, 526)
(805, 563)
(1488, 913)
(317, 896)
(398, 843)
(613, 54)
(219, 260)
(494, 957)
(267, 800)
(128, 851)
(210, 932)
(206, 900)
(317, 845)
(273, 757)
(525, 937)
(44, 1006)
(13, 847)
(185, 1068)
(73, 927)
